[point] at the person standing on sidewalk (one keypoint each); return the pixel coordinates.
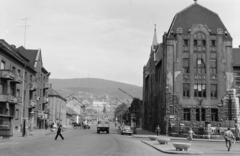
(59, 132)
(190, 134)
(229, 137)
(158, 130)
(237, 133)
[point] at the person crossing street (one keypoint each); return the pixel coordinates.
(59, 130)
(229, 137)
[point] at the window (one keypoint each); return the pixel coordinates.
(200, 67)
(31, 78)
(195, 42)
(204, 42)
(18, 93)
(13, 69)
(213, 66)
(12, 90)
(213, 43)
(213, 90)
(198, 114)
(19, 72)
(186, 65)
(11, 110)
(25, 76)
(185, 42)
(1, 110)
(17, 114)
(199, 90)
(2, 64)
(1, 88)
(214, 114)
(186, 90)
(203, 114)
(186, 114)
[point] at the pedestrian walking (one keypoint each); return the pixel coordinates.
(237, 133)
(158, 130)
(59, 130)
(190, 134)
(229, 137)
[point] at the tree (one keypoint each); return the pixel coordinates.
(120, 112)
(136, 110)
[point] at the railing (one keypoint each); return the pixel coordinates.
(46, 85)
(8, 98)
(33, 86)
(17, 78)
(7, 74)
(33, 103)
(45, 100)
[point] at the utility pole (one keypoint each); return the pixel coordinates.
(25, 32)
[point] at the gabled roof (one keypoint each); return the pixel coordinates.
(52, 92)
(236, 57)
(29, 54)
(196, 14)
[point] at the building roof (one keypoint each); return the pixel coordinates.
(52, 92)
(11, 50)
(196, 14)
(29, 54)
(236, 56)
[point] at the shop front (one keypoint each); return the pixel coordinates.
(6, 129)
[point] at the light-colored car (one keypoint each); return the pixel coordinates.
(126, 130)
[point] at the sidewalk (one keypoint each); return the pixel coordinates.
(198, 146)
(145, 134)
(34, 134)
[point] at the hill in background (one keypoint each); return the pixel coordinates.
(96, 87)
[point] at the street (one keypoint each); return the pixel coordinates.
(77, 142)
(86, 142)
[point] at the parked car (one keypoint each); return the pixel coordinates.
(86, 126)
(126, 130)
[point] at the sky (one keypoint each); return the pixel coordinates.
(107, 39)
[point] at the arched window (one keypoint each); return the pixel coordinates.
(199, 46)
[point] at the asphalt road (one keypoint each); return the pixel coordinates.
(79, 143)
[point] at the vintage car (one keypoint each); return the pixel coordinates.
(126, 130)
(103, 126)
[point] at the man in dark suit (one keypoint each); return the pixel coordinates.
(59, 130)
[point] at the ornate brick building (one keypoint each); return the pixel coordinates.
(188, 74)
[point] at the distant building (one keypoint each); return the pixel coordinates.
(78, 108)
(57, 107)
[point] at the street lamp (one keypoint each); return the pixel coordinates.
(23, 101)
(135, 125)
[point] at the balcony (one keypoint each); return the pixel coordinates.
(19, 100)
(33, 86)
(7, 74)
(8, 98)
(46, 85)
(17, 78)
(33, 103)
(45, 100)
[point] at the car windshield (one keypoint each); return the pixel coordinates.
(127, 128)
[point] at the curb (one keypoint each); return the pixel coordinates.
(193, 152)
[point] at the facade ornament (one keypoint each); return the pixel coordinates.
(219, 31)
(179, 30)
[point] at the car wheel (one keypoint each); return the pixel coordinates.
(107, 132)
(130, 134)
(121, 133)
(98, 131)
